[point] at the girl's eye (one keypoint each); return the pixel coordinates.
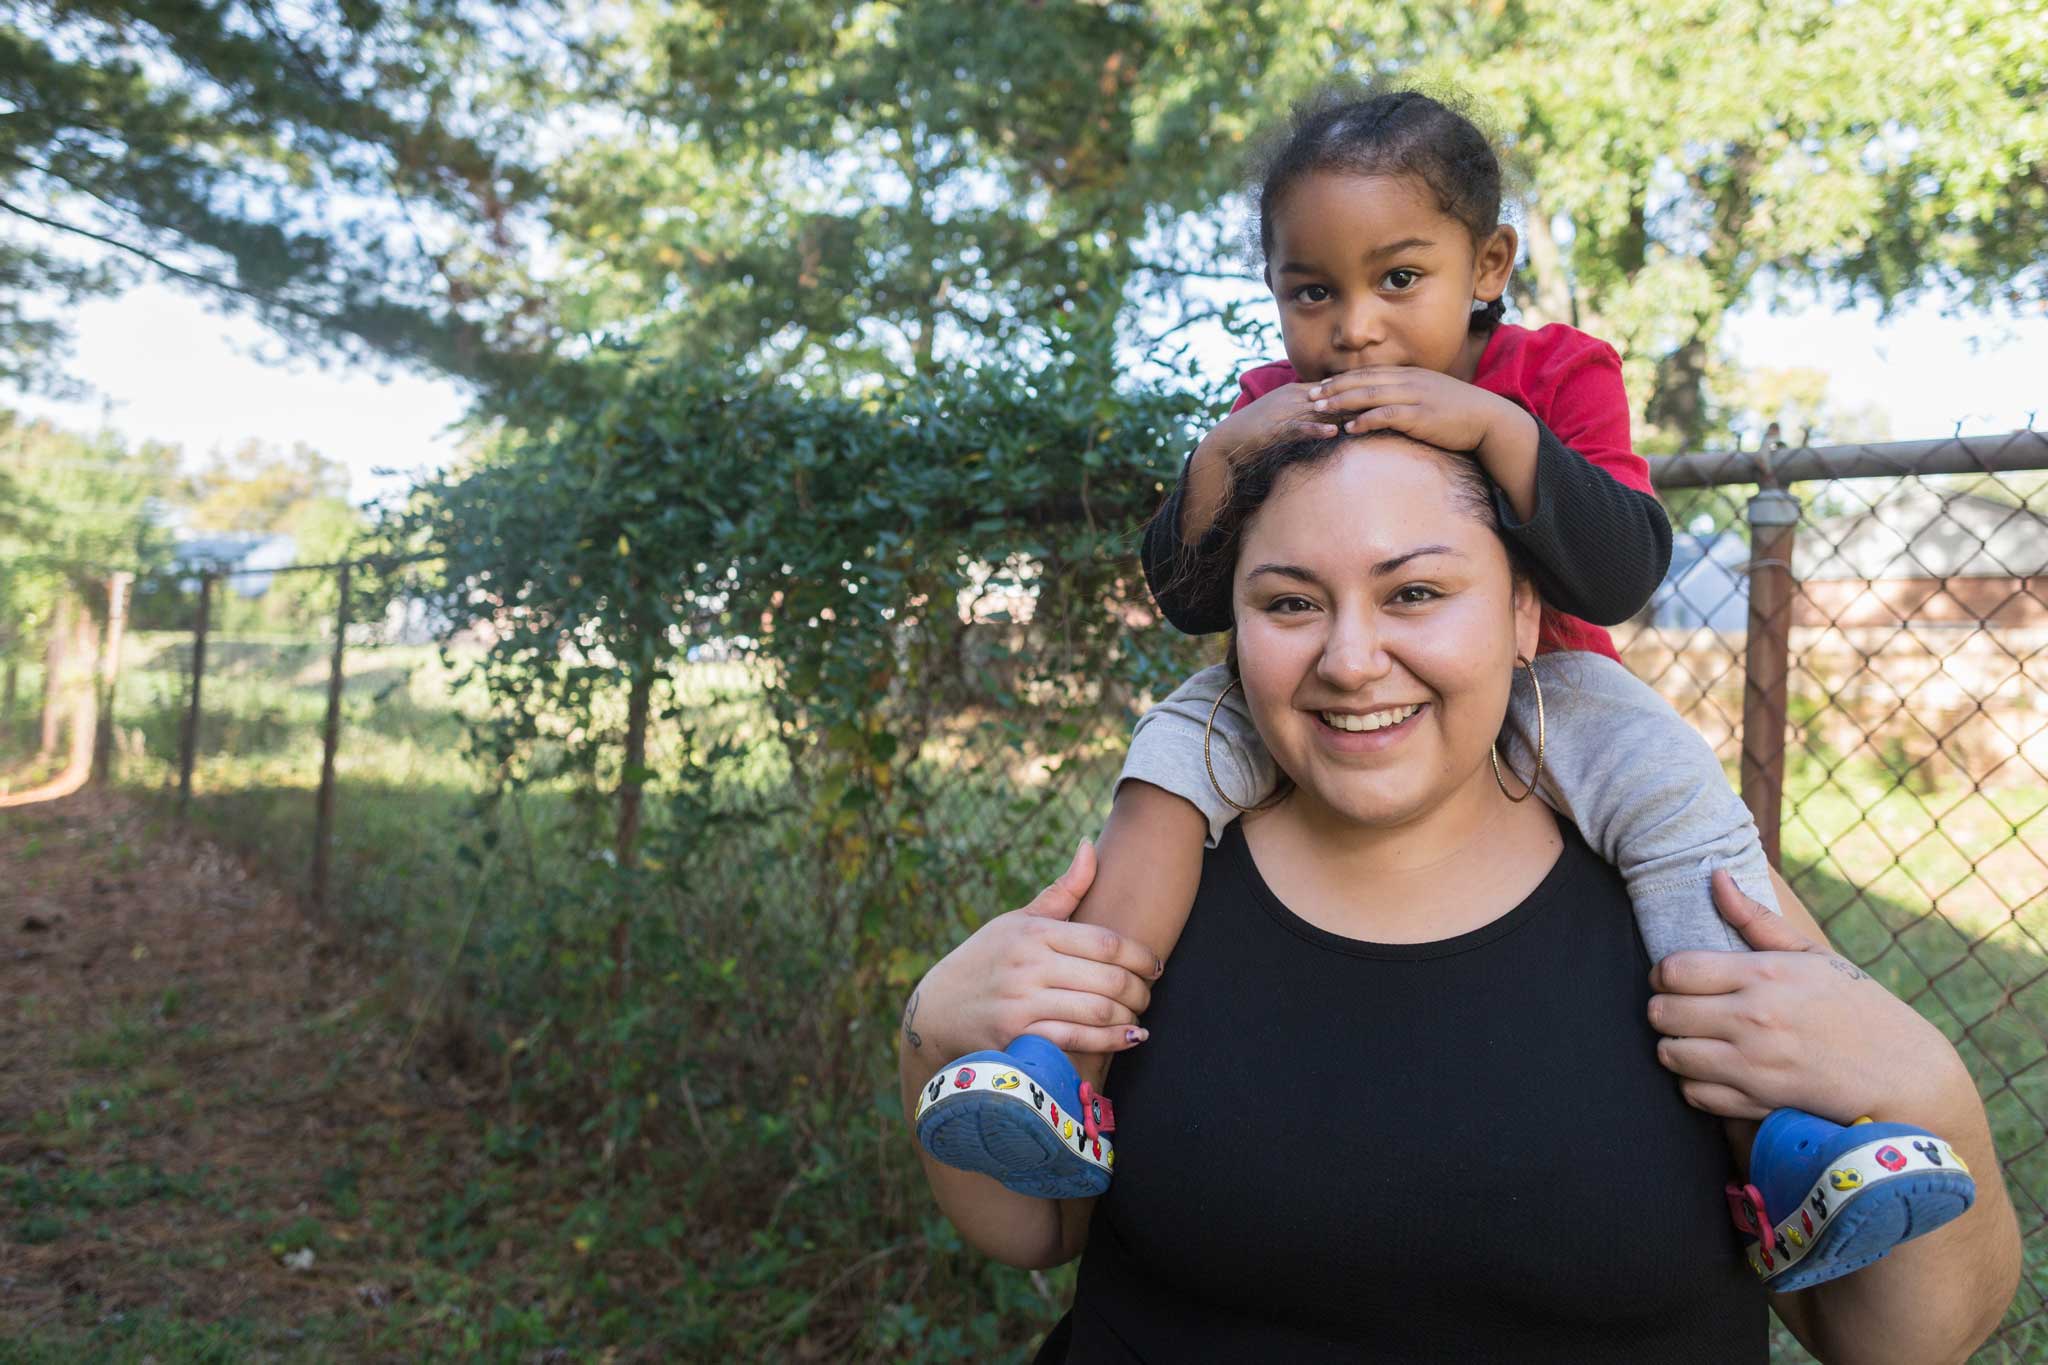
(1312, 293)
(1402, 279)
(1415, 594)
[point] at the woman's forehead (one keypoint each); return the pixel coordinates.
(1373, 497)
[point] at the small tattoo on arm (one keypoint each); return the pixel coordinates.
(1846, 968)
(910, 1034)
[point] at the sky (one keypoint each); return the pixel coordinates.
(164, 367)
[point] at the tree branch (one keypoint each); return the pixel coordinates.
(152, 259)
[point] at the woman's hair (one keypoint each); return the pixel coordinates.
(1207, 568)
(1394, 133)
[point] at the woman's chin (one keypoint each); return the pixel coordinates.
(1375, 799)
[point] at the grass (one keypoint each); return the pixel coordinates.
(1930, 883)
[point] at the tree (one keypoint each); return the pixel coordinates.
(847, 190)
(1676, 160)
(852, 190)
(261, 489)
(339, 169)
(78, 509)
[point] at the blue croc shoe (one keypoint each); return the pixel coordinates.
(1824, 1200)
(1022, 1115)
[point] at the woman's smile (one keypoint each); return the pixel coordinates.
(1366, 732)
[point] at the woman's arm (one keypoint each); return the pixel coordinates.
(1030, 970)
(1814, 1030)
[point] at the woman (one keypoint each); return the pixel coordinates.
(1515, 1181)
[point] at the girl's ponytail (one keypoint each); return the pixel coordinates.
(1488, 316)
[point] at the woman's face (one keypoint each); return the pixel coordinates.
(1377, 628)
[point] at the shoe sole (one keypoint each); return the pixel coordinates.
(1878, 1218)
(995, 1135)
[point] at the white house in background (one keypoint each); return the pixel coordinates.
(1928, 555)
(226, 553)
(1706, 587)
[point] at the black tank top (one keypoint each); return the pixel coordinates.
(1453, 1151)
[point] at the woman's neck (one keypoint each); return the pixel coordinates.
(1461, 864)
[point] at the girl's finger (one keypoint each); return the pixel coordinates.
(1364, 377)
(1359, 397)
(1072, 1037)
(1386, 417)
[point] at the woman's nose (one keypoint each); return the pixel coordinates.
(1353, 655)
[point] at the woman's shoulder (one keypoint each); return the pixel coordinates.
(1580, 870)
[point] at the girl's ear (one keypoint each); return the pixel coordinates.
(1494, 262)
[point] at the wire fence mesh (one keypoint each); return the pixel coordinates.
(1910, 776)
(1915, 759)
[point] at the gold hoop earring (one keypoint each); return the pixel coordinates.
(1493, 751)
(1209, 765)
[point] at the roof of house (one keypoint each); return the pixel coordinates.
(1922, 532)
(234, 551)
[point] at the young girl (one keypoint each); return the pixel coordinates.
(1379, 223)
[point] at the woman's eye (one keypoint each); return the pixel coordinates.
(1402, 279)
(1415, 594)
(1290, 606)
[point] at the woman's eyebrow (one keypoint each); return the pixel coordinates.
(1284, 571)
(1387, 566)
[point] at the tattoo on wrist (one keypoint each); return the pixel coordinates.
(1842, 965)
(910, 1034)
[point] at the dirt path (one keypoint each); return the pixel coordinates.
(205, 1152)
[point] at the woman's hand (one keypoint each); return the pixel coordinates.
(1079, 986)
(1790, 1024)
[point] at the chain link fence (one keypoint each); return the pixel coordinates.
(1861, 631)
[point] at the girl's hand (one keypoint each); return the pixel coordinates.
(1791, 1024)
(1285, 412)
(1079, 986)
(1420, 403)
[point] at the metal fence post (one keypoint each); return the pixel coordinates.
(1773, 522)
(188, 739)
(323, 811)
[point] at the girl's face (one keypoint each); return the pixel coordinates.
(1377, 628)
(1368, 270)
